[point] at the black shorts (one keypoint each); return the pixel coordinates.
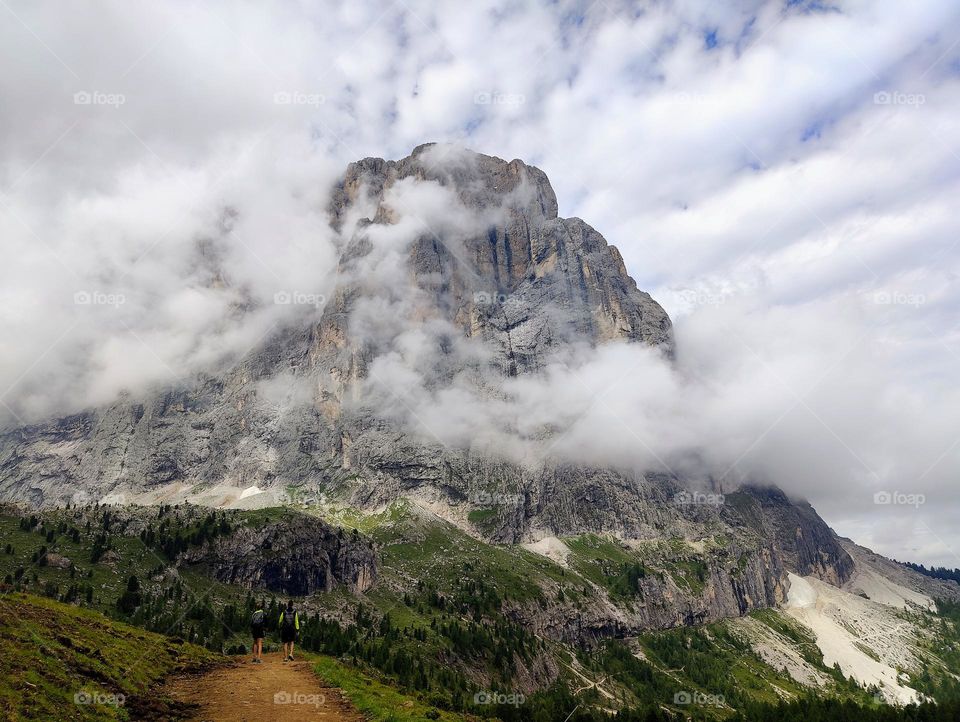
(257, 632)
(288, 635)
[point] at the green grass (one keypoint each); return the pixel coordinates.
(481, 516)
(606, 562)
(441, 554)
(107, 578)
(54, 652)
(714, 660)
(379, 702)
(690, 574)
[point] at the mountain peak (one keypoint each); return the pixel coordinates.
(489, 253)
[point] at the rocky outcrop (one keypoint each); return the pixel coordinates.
(296, 555)
(802, 539)
(58, 561)
(736, 581)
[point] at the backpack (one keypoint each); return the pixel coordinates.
(257, 619)
(289, 620)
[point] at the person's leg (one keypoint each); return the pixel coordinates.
(291, 650)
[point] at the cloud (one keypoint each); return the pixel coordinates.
(755, 395)
(166, 273)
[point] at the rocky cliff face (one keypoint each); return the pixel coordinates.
(565, 283)
(295, 555)
(872, 564)
(803, 540)
(279, 550)
(728, 583)
(764, 534)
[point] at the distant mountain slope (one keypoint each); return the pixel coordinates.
(873, 565)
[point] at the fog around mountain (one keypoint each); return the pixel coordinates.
(781, 179)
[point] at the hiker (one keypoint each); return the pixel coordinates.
(289, 626)
(257, 623)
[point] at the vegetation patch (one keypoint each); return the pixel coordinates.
(63, 662)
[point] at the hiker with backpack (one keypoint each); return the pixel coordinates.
(289, 626)
(258, 621)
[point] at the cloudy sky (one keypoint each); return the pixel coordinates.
(779, 175)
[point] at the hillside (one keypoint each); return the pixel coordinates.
(63, 662)
(451, 617)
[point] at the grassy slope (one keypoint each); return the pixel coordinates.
(54, 651)
(377, 700)
(108, 580)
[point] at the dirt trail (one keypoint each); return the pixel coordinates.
(274, 690)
